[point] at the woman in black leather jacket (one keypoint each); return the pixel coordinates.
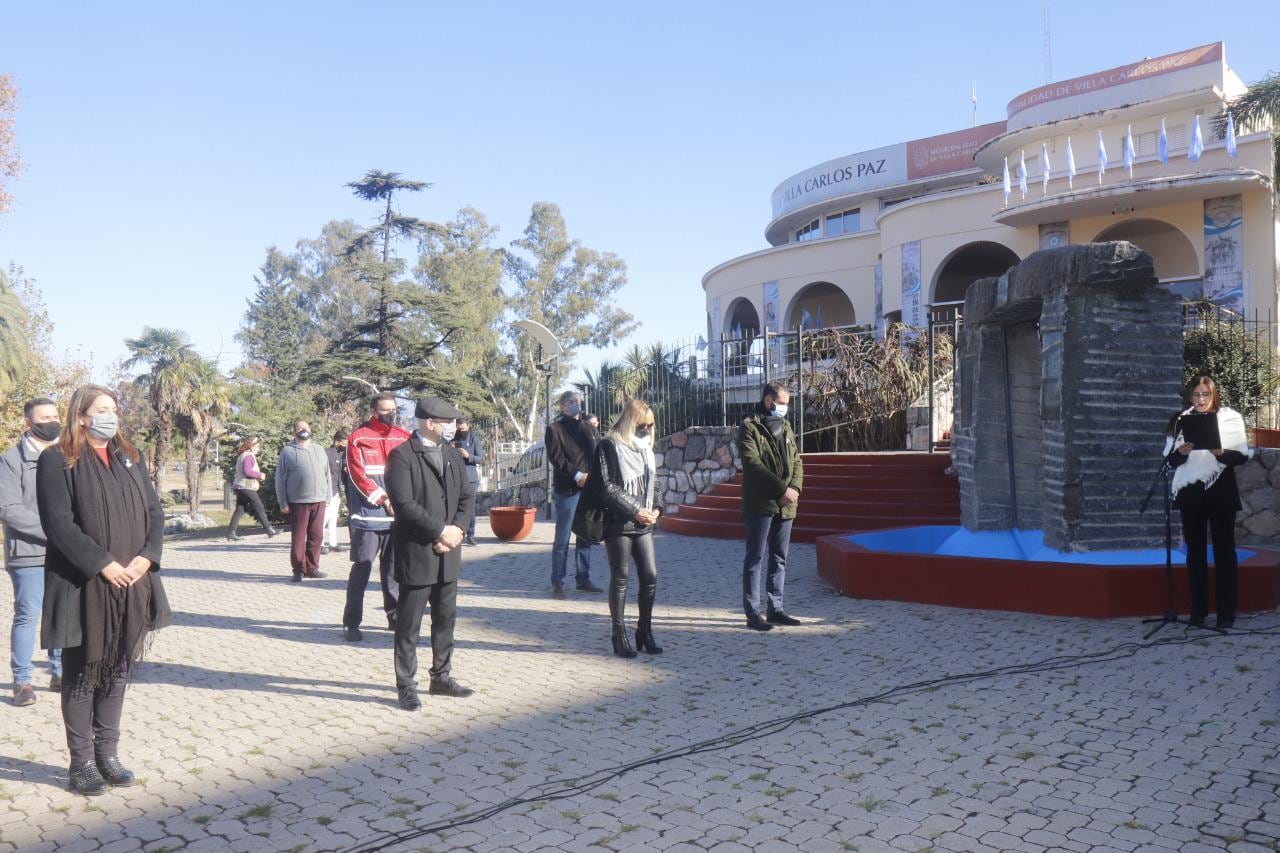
(622, 482)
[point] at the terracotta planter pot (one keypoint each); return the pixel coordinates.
(512, 523)
(1266, 437)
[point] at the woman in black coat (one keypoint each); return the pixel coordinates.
(1205, 493)
(622, 482)
(105, 529)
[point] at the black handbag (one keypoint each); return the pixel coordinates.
(589, 521)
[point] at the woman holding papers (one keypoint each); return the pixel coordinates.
(1205, 493)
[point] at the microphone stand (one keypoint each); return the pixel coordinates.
(1170, 616)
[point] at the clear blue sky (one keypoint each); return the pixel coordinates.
(168, 144)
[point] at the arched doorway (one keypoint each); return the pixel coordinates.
(966, 265)
(820, 305)
(742, 319)
(1175, 258)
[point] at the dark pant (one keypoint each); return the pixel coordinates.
(367, 546)
(622, 549)
(1222, 527)
(91, 714)
(771, 533)
(247, 500)
(306, 526)
(443, 598)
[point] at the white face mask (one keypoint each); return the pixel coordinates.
(104, 426)
(446, 430)
(642, 443)
(779, 410)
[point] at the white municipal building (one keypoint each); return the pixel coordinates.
(896, 232)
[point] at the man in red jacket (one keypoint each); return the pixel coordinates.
(369, 512)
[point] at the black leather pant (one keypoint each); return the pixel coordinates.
(622, 548)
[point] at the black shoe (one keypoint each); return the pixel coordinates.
(352, 635)
(232, 536)
(85, 779)
(1195, 621)
(324, 549)
(1229, 622)
(781, 618)
(339, 547)
(448, 687)
(755, 623)
(409, 700)
(297, 577)
(116, 774)
(272, 533)
(645, 643)
(588, 586)
(316, 575)
(391, 622)
(470, 540)
(622, 644)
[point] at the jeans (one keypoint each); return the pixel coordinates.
(565, 507)
(28, 600)
(771, 533)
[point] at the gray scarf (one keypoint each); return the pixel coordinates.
(637, 469)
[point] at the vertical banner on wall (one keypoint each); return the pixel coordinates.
(773, 323)
(1224, 252)
(714, 345)
(879, 320)
(912, 306)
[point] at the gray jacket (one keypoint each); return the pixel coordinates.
(302, 474)
(24, 540)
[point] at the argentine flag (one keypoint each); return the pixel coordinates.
(1022, 174)
(1162, 144)
(1071, 165)
(1044, 171)
(1102, 157)
(1231, 136)
(1197, 142)
(1007, 188)
(1129, 153)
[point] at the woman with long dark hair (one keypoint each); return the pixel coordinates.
(103, 597)
(245, 484)
(622, 477)
(1205, 493)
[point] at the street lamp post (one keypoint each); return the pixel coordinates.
(549, 350)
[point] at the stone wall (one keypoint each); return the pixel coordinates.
(1259, 480)
(690, 463)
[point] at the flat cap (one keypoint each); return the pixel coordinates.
(434, 407)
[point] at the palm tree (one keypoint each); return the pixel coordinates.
(14, 346)
(1257, 107)
(208, 401)
(171, 364)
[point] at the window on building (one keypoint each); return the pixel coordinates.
(848, 222)
(812, 231)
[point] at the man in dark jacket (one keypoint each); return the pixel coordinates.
(433, 501)
(473, 454)
(570, 443)
(24, 544)
(772, 476)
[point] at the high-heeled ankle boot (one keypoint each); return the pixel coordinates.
(622, 643)
(645, 641)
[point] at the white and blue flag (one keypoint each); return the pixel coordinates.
(1044, 171)
(1231, 136)
(1022, 174)
(1162, 144)
(1197, 142)
(1071, 165)
(1005, 182)
(1129, 154)
(1102, 157)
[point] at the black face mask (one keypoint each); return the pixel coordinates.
(389, 418)
(48, 431)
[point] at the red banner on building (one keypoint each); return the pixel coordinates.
(950, 152)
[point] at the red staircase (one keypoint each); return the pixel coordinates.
(843, 493)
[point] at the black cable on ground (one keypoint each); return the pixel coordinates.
(560, 789)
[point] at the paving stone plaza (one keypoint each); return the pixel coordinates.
(254, 727)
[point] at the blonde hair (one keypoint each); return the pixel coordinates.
(624, 428)
(74, 442)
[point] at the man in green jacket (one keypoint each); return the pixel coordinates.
(772, 476)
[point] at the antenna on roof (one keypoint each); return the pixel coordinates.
(974, 97)
(1048, 46)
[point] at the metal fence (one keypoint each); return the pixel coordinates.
(1239, 351)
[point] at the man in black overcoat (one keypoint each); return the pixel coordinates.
(426, 480)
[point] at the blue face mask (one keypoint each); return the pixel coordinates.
(779, 410)
(572, 409)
